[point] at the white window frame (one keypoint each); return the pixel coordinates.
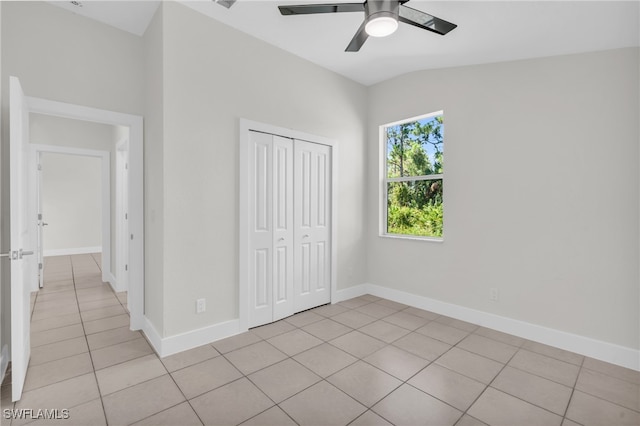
(384, 180)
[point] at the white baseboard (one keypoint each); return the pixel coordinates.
(604, 351)
(152, 335)
(111, 279)
(170, 345)
(70, 251)
(349, 293)
(4, 361)
(165, 346)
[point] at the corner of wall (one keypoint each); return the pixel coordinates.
(153, 43)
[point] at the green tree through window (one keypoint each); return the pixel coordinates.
(414, 177)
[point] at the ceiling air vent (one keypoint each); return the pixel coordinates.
(226, 3)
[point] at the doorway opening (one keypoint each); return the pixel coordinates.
(23, 268)
(127, 154)
(74, 208)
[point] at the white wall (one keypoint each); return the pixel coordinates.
(71, 202)
(541, 192)
(153, 171)
(58, 131)
(213, 76)
(65, 57)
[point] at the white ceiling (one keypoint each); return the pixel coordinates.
(487, 31)
(130, 16)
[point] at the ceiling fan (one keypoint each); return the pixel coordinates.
(381, 18)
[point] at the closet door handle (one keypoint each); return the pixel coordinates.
(281, 239)
(305, 236)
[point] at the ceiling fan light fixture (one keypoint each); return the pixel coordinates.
(381, 24)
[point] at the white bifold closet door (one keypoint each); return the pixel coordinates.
(312, 186)
(289, 234)
(271, 232)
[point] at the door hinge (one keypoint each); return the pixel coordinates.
(126, 216)
(132, 236)
(39, 216)
(126, 267)
(39, 167)
(126, 166)
(39, 265)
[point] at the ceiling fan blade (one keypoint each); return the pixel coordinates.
(358, 40)
(306, 9)
(425, 21)
(226, 3)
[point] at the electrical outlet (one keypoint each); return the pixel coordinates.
(201, 306)
(493, 294)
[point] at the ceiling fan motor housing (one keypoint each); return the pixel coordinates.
(381, 8)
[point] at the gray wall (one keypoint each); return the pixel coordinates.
(71, 201)
(153, 171)
(50, 130)
(541, 191)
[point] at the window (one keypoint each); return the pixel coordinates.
(412, 181)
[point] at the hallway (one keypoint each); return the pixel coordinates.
(78, 325)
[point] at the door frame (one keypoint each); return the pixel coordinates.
(121, 213)
(136, 188)
(247, 126)
(105, 195)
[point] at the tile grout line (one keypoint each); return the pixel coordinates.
(403, 382)
(246, 376)
(95, 376)
(363, 360)
(386, 344)
(573, 390)
(324, 379)
(177, 386)
(452, 346)
(296, 327)
(487, 386)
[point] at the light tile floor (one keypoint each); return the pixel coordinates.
(365, 361)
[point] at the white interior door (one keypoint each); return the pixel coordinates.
(122, 215)
(271, 228)
(41, 222)
(260, 229)
(312, 225)
(21, 256)
(282, 227)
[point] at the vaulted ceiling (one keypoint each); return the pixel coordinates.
(488, 31)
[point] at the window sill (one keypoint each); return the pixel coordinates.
(412, 237)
